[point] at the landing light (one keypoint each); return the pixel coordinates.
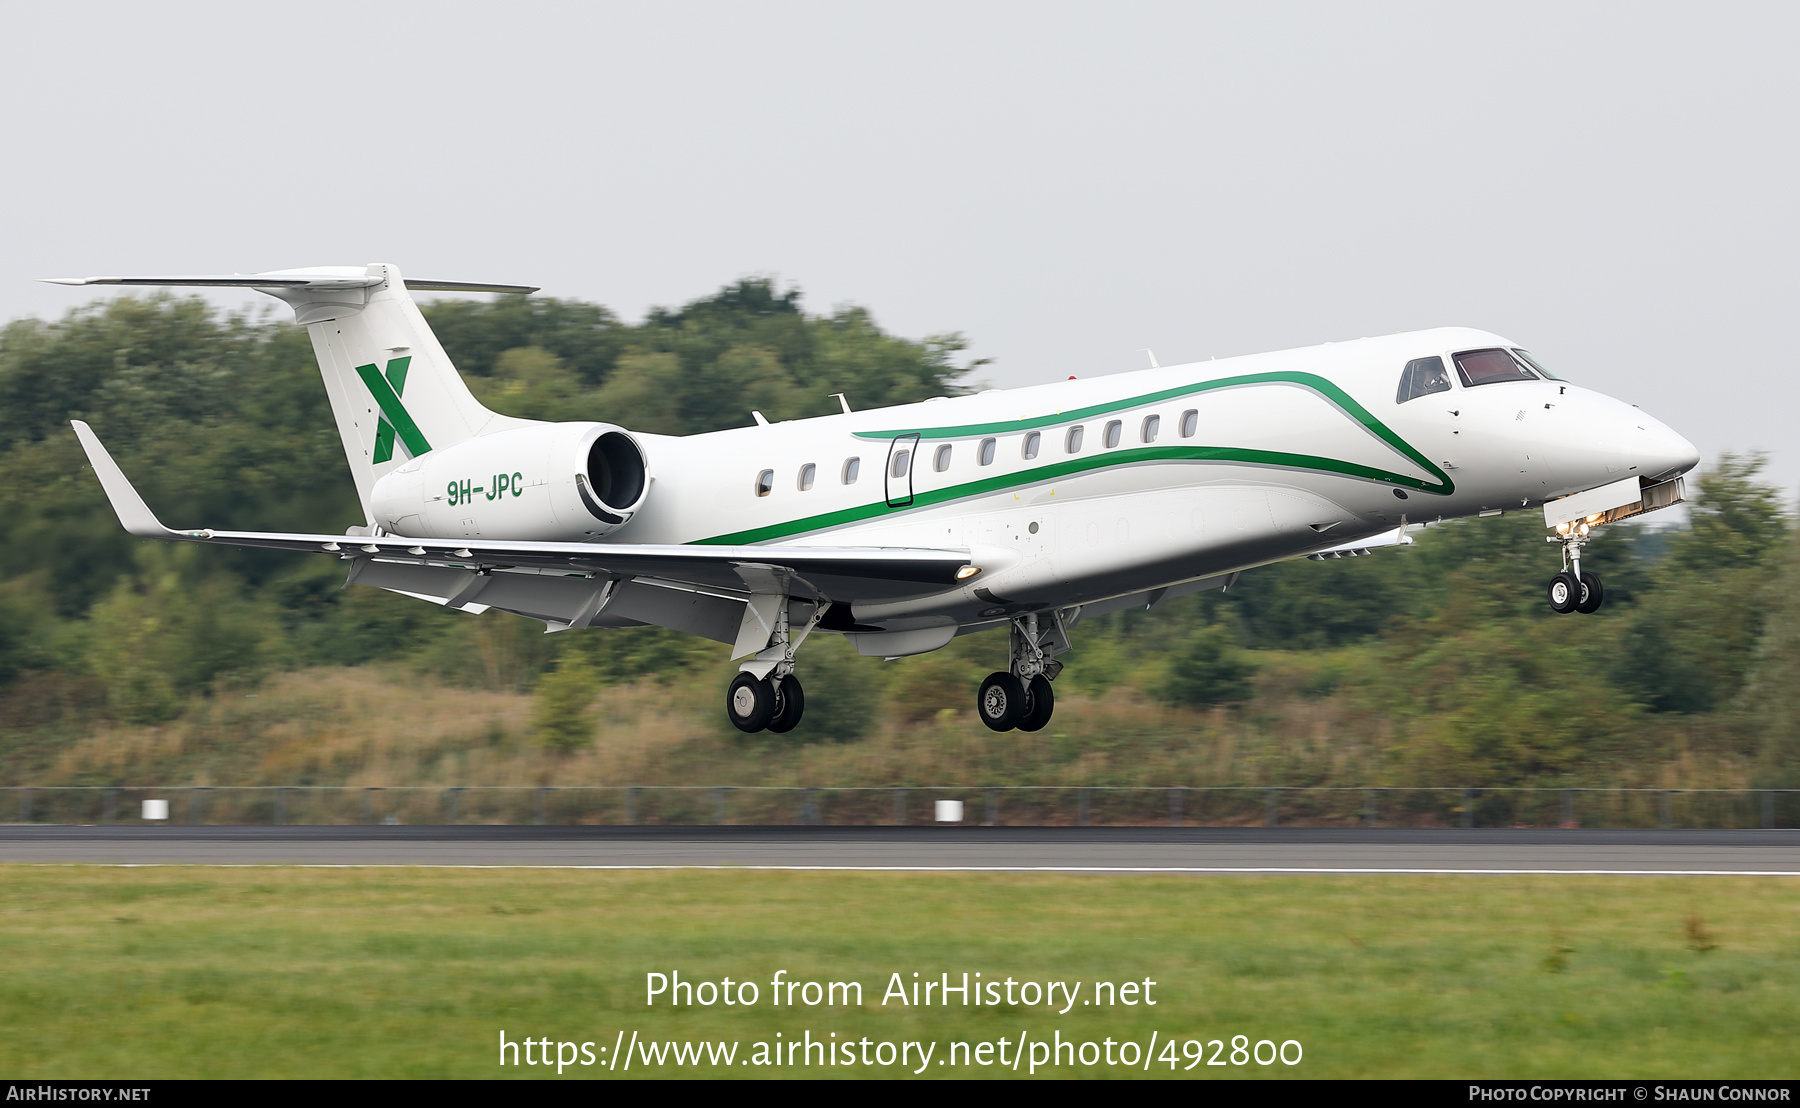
(1584, 528)
(1562, 528)
(967, 572)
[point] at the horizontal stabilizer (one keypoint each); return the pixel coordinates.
(326, 278)
(417, 285)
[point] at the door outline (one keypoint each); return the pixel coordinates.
(896, 498)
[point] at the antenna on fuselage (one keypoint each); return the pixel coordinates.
(1153, 362)
(843, 403)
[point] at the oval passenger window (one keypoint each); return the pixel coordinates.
(941, 461)
(1152, 425)
(851, 467)
(1114, 432)
(1190, 423)
(1030, 449)
(765, 482)
(985, 455)
(901, 461)
(808, 473)
(1072, 444)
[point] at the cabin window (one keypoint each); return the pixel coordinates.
(852, 466)
(1490, 367)
(1032, 442)
(1421, 377)
(1190, 423)
(1115, 431)
(1525, 356)
(902, 462)
(1152, 426)
(985, 454)
(1072, 441)
(808, 474)
(941, 460)
(765, 482)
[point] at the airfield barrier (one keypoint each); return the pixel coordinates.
(997, 806)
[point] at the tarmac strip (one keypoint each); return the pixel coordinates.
(1497, 852)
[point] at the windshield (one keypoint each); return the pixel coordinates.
(1490, 367)
(1525, 356)
(1421, 377)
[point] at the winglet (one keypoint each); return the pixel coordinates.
(130, 507)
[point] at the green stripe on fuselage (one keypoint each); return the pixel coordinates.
(1203, 455)
(1312, 382)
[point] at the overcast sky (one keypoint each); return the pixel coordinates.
(1611, 185)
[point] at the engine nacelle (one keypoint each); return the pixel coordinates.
(554, 482)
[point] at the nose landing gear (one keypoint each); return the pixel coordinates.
(1574, 590)
(1021, 697)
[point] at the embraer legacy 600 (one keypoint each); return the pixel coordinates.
(900, 528)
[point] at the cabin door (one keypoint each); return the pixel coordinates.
(901, 461)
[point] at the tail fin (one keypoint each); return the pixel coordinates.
(393, 391)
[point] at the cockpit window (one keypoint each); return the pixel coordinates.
(1421, 377)
(1490, 367)
(1525, 356)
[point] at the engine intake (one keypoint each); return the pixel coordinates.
(615, 475)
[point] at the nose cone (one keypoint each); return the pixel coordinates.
(1658, 450)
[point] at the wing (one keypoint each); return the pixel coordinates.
(700, 589)
(1398, 536)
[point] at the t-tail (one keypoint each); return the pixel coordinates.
(393, 390)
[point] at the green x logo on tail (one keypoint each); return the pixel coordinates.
(394, 418)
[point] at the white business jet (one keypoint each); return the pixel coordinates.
(901, 528)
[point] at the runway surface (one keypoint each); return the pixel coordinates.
(1116, 850)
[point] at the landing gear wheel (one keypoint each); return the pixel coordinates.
(1565, 592)
(1591, 594)
(1001, 701)
(1040, 703)
(750, 703)
(790, 703)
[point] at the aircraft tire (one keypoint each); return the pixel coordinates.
(1565, 592)
(1040, 704)
(750, 703)
(1591, 594)
(790, 700)
(1001, 701)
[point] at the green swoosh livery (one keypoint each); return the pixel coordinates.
(1337, 397)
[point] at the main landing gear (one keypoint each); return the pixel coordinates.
(1574, 590)
(766, 696)
(1021, 697)
(765, 703)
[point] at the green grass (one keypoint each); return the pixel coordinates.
(273, 972)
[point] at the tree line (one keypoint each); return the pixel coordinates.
(221, 419)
